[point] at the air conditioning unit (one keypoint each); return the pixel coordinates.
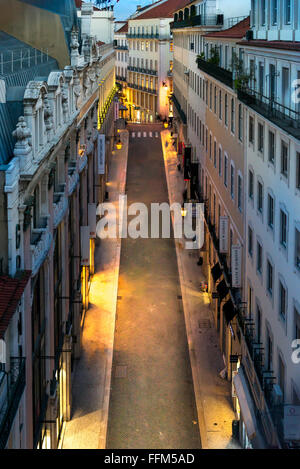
(277, 395)
(249, 35)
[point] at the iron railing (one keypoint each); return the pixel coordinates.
(284, 117)
(142, 88)
(221, 74)
(20, 59)
(198, 20)
(179, 109)
(146, 71)
(12, 385)
(143, 35)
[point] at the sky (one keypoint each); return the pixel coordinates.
(125, 8)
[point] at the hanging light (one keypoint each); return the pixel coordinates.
(166, 125)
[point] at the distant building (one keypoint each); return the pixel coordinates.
(150, 61)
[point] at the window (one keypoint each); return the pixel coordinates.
(226, 110)
(260, 197)
(232, 181)
(269, 277)
(297, 248)
(287, 11)
(240, 193)
(260, 144)
(240, 122)
(281, 374)
(220, 104)
(215, 154)
(259, 257)
(232, 116)
(270, 211)
(269, 352)
(258, 323)
(210, 96)
(271, 147)
(298, 170)
(284, 159)
(251, 130)
(220, 162)
(283, 228)
(210, 147)
(263, 12)
(215, 100)
(251, 184)
(282, 300)
(225, 170)
(274, 11)
(250, 241)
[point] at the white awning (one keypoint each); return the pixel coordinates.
(245, 403)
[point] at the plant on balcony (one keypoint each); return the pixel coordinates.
(242, 78)
(200, 57)
(214, 56)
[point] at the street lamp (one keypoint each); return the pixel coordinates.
(183, 211)
(119, 144)
(166, 125)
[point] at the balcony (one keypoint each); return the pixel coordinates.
(118, 47)
(225, 76)
(121, 78)
(142, 88)
(284, 117)
(146, 71)
(198, 20)
(143, 35)
(12, 385)
(41, 240)
(179, 109)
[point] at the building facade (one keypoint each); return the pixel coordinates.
(150, 62)
(51, 184)
(237, 116)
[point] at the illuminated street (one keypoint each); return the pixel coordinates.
(152, 400)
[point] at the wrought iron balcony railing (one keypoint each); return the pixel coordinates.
(12, 384)
(146, 71)
(143, 35)
(179, 109)
(284, 117)
(225, 76)
(142, 88)
(198, 20)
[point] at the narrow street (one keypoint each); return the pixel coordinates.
(152, 403)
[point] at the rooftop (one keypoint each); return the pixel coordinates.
(238, 31)
(11, 290)
(284, 45)
(123, 29)
(162, 9)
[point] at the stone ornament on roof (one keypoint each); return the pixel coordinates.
(22, 134)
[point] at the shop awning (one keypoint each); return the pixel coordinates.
(245, 403)
(222, 289)
(216, 272)
(229, 311)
